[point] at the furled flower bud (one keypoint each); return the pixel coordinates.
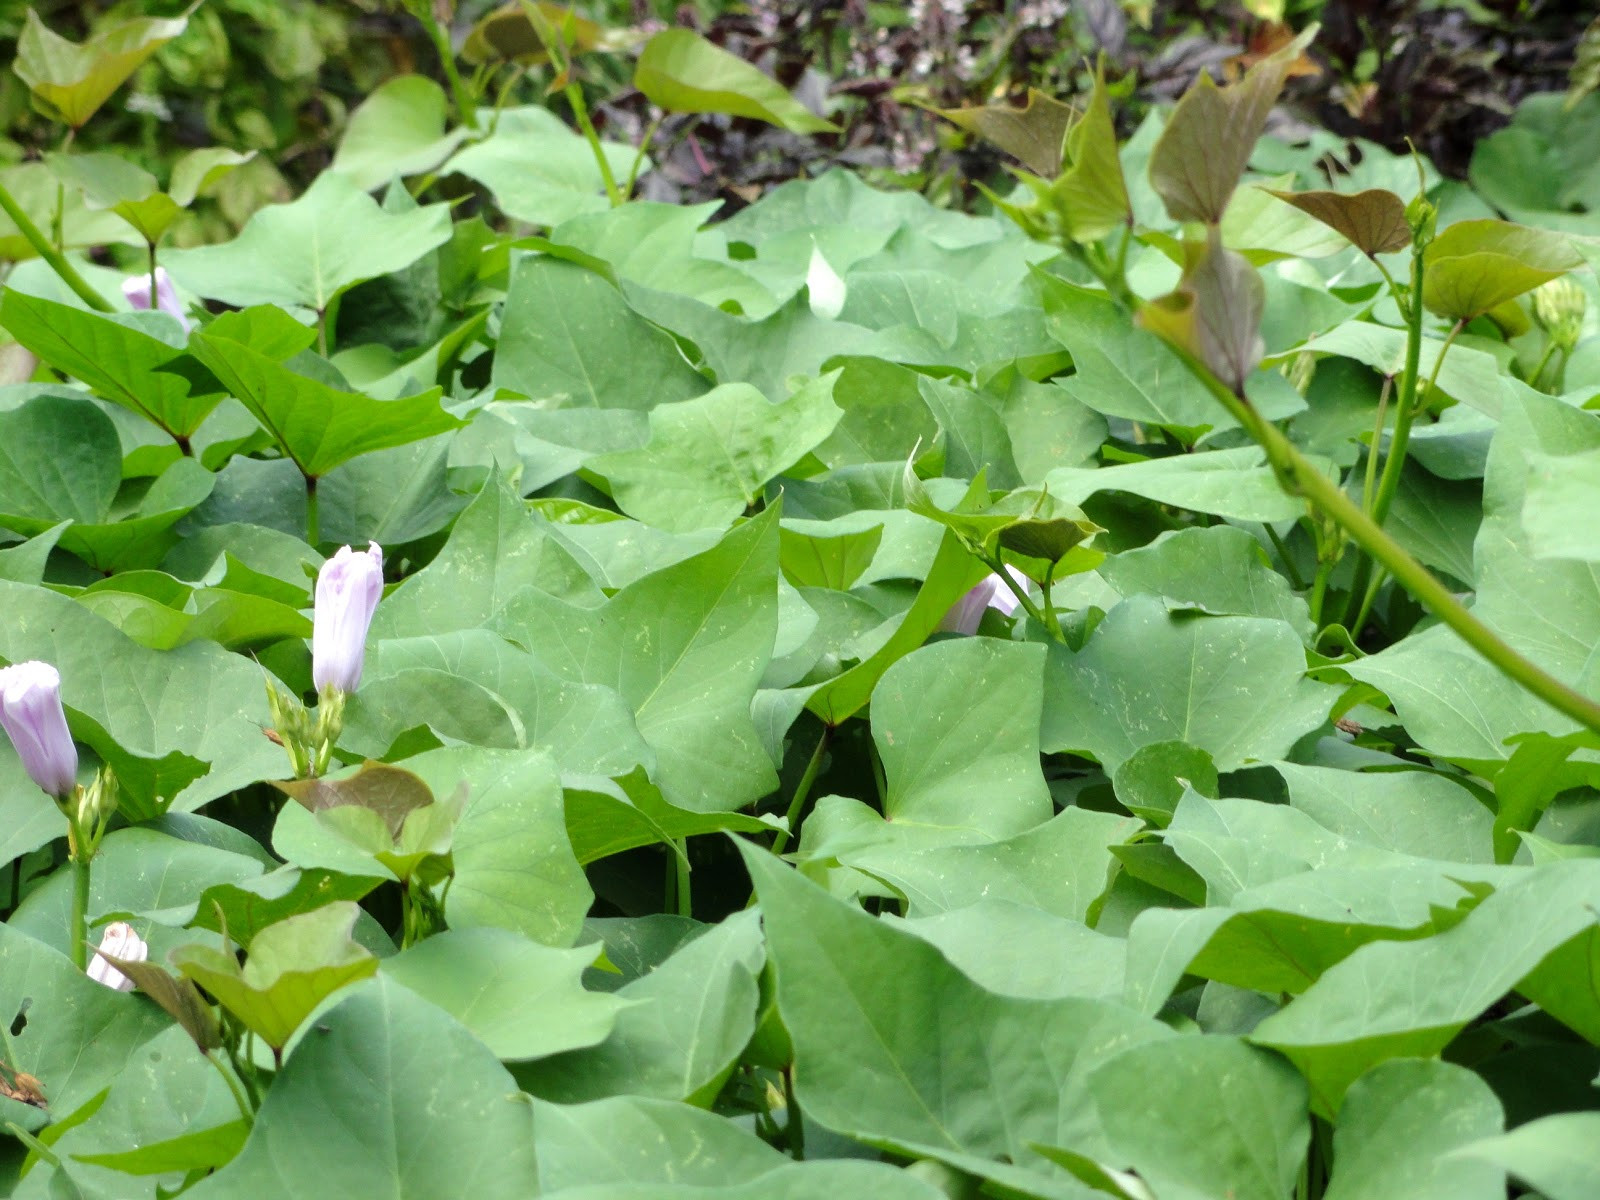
(966, 613)
(348, 588)
(119, 941)
(1560, 306)
(31, 713)
(136, 289)
(824, 287)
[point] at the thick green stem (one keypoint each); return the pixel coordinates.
(795, 1131)
(234, 1086)
(50, 254)
(1289, 568)
(1544, 361)
(466, 106)
(580, 112)
(1406, 410)
(1369, 489)
(1053, 628)
(1300, 477)
(638, 158)
(802, 789)
(78, 922)
(680, 861)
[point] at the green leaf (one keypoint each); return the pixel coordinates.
(1062, 867)
(386, 1097)
(317, 425)
(1219, 569)
(1556, 1154)
(497, 550)
(161, 719)
(1473, 266)
(168, 1107)
(398, 130)
(1210, 1116)
(686, 648)
(880, 1019)
(957, 730)
(71, 80)
(1400, 1128)
(1091, 191)
(78, 1035)
(686, 1024)
(110, 181)
(1233, 686)
(1561, 491)
(1152, 780)
(514, 868)
(1237, 483)
(59, 460)
(812, 558)
(1197, 160)
(1032, 133)
(951, 574)
(35, 189)
(522, 1000)
(308, 252)
(291, 967)
(118, 357)
(1123, 370)
(568, 334)
(1374, 221)
(606, 817)
(708, 459)
(1368, 1008)
(198, 170)
(644, 1142)
(539, 170)
(204, 1149)
(682, 72)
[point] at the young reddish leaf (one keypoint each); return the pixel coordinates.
(1033, 133)
(1197, 161)
(1373, 220)
(1215, 311)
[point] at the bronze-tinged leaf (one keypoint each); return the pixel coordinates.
(177, 995)
(392, 792)
(1215, 311)
(1373, 220)
(1033, 133)
(1051, 539)
(1197, 160)
(506, 34)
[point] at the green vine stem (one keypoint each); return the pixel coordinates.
(1300, 477)
(466, 106)
(803, 789)
(50, 254)
(78, 921)
(580, 111)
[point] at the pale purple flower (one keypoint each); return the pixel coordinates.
(31, 713)
(966, 613)
(119, 941)
(348, 588)
(136, 288)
